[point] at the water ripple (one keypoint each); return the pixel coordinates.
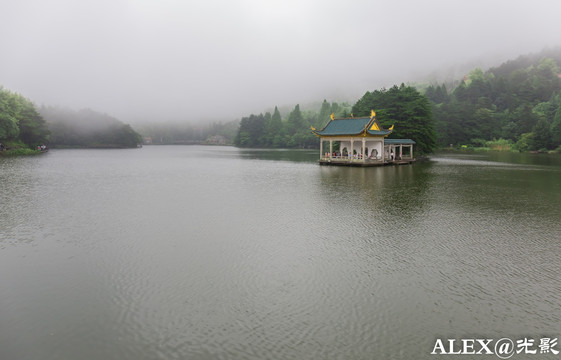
(178, 252)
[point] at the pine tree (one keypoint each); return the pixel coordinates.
(324, 113)
(295, 121)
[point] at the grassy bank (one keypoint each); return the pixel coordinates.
(19, 152)
(499, 145)
(16, 148)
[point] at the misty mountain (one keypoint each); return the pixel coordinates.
(525, 61)
(517, 104)
(87, 128)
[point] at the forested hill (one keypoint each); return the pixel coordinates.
(87, 128)
(23, 126)
(517, 105)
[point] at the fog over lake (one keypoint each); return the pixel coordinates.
(221, 60)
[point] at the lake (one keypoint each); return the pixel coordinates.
(194, 252)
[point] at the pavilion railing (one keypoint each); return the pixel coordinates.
(358, 158)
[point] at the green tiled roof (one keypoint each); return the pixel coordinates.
(357, 126)
(348, 126)
(379, 132)
(398, 141)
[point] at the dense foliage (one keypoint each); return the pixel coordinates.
(407, 109)
(271, 130)
(20, 122)
(514, 106)
(403, 106)
(88, 128)
(518, 102)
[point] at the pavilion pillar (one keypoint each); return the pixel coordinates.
(320, 148)
(363, 147)
(351, 153)
(400, 151)
(330, 148)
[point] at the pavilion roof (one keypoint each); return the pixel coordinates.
(353, 126)
(398, 141)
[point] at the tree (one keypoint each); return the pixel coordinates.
(556, 128)
(274, 129)
(9, 110)
(251, 131)
(524, 118)
(20, 121)
(486, 124)
(295, 120)
(545, 80)
(542, 135)
(268, 133)
(438, 94)
(525, 142)
(324, 113)
(404, 107)
(33, 128)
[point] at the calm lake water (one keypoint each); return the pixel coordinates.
(191, 252)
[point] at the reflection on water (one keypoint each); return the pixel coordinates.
(219, 253)
(280, 155)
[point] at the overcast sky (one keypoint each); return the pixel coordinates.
(223, 59)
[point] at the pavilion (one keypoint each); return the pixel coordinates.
(362, 142)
